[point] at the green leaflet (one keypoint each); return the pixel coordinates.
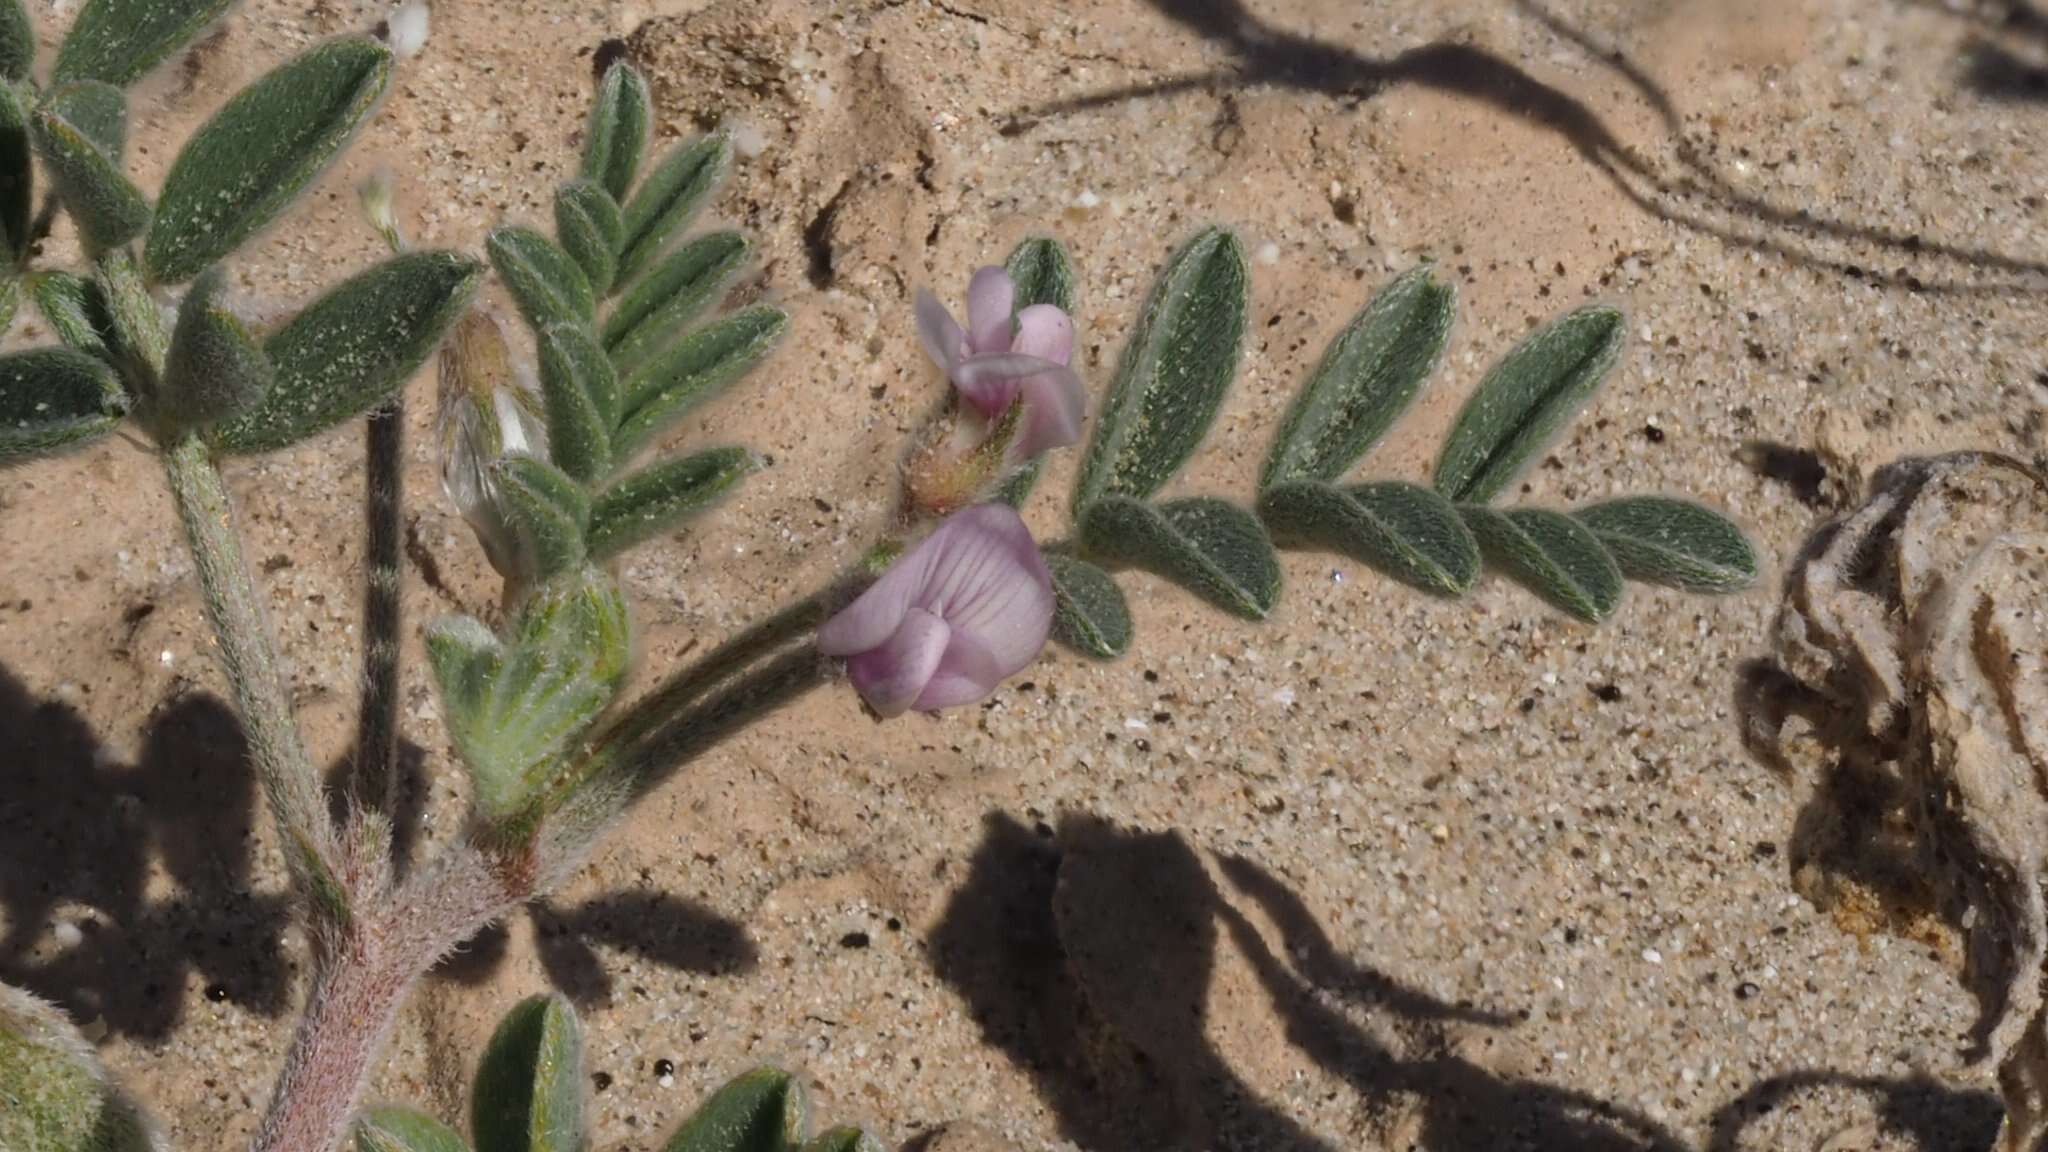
(54, 1097)
(1677, 543)
(700, 366)
(1402, 530)
(1089, 613)
(1368, 376)
(117, 41)
(588, 224)
(1173, 375)
(669, 200)
(215, 368)
(352, 348)
(656, 499)
(1550, 554)
(513, 706)
(260, 151)
(404, 1130)
(17, 41)
(1043, 274)
(74, 308)
(10, 300)
(99, 112)
(1525, 400)
(548, 510)
(544, 281)
(761, 1111)
(844, 1140)
(17, 174)
(581, 394)
(53, 398)
(668, 299)
(617, 133)
(1210, 547)
(528, 1095)
(108, 208)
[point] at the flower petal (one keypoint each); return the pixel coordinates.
(991, 298)
(1054, 405)
(1055, 400)
(877, 613)
(967, 673)
(989, 582)
(940, 334)
(1045, 332)
(892, 677)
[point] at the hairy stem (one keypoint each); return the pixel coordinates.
(236, 612)
(377, 779)
(357, 995)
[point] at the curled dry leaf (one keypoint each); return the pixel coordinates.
(1917, 620)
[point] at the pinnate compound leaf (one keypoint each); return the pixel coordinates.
(1405, 531)
(107, 207)
(404, 1130)
(580, 390)
(1550, 554)
(844, 1140)
(661, 496)
(698, 367)
(528, 1095)
(53, 398)
(513, 706)
(17, 41)
(671, 296)
(548, 511)
(1173, 374)
(74, 308)
(17, 173)
(1368, 376)
(1677, 543)
(1525, 400)
(215, 368)
(761, 1111)
(1043, 274)
(1210, 547)
(545, 283)
(54, 1097)
(670, 198)
(1089, 613)
(588, 224)
(248, 163)
(352, 348)
(617, 133)
(117, 41)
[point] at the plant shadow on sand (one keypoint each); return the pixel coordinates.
(1086, 955)
(119, 882)
(1684, 187)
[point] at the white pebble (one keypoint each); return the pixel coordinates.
(1269, 254)
(408, 30)
(1087, 199)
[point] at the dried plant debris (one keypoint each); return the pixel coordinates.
(1918, 621)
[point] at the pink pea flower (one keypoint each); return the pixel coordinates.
(1000, 359)
(966, 608)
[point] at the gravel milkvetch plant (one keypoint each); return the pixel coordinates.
(562, 466)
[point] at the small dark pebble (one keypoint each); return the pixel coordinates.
(1143, 744)
(1653, 434)
(216, 992)
(1764, 850)
(1745, 991)
(600, 1080)
(1151, 677)
(1607, 693)
(1528, 704)
(664, 1067)
(1571, 935)
(854, 940)
(895, 925)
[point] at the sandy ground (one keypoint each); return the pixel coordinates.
(1382, 872)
